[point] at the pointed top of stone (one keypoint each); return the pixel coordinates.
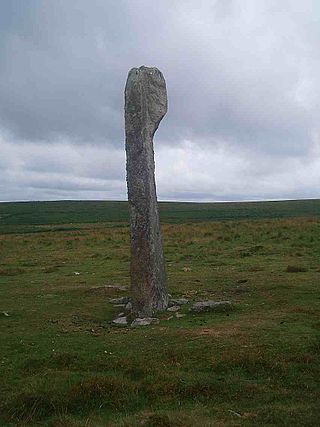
(146, 95)
(153, 74)
(144, 69)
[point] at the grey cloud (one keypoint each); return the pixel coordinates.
(242, 76)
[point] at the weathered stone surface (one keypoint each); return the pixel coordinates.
(178, 301)
(145, 106)
(120, 300)
(145, 321)
(204, 306)
(120, 321)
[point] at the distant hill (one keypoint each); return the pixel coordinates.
(30, 215)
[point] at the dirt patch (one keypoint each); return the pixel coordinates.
(235, 327)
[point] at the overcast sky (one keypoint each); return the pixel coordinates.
(243, 80)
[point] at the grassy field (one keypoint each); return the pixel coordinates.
(63, 365)
(32, 216)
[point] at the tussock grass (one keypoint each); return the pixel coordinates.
(295, 269)
(11, 271)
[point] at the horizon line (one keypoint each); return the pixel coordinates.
(165, 201)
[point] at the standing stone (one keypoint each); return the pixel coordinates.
(145, 106)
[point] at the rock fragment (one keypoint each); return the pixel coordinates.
(179, 315)
(128, 306)
(120, 300)
(120, 321)
(145, 321)
(174, 308)
(178, 301)
(211, 306)
(112, 286)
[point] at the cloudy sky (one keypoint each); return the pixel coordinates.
(243, 80)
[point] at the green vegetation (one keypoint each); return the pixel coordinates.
(30, 216)
(62, 364)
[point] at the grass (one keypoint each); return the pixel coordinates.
(71, 215)
(62, 364)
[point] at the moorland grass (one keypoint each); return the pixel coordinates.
(62, 363)
(69, 215)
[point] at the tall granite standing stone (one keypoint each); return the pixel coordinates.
(145, 106)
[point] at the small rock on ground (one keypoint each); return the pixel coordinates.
(118, 287)
(206, 306)
(178, 301)
(128, 306)
(174, 308)
(179, 315)
(145, 321)
(120, 300)
(120, 321)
